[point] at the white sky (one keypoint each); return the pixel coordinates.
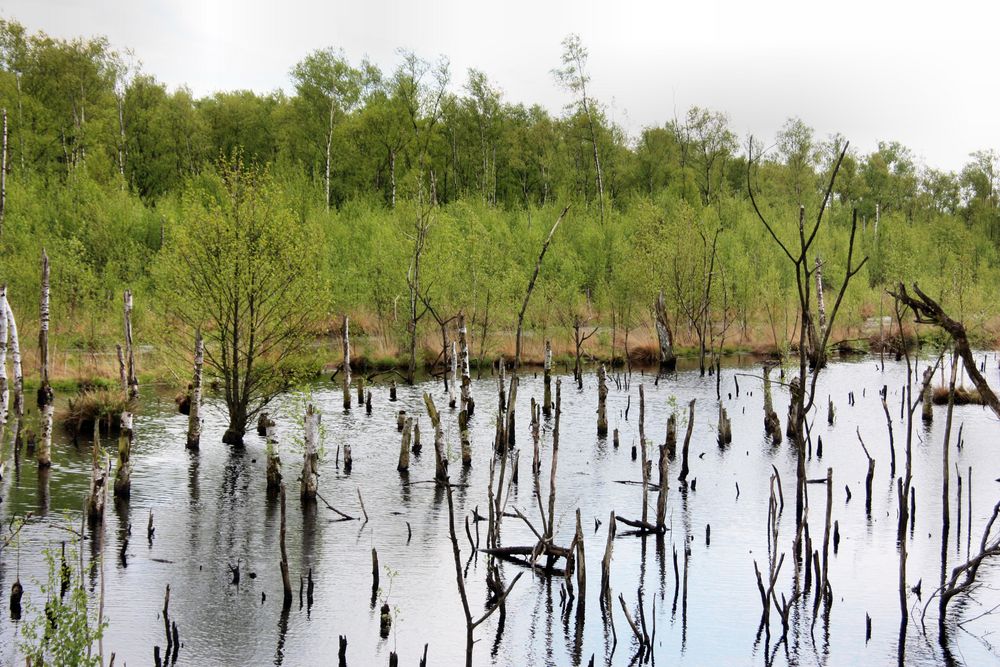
(920, 73)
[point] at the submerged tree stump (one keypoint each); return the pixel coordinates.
(665, 335)
(123, 473)
(602, 401)
(547, 380)
(404, 446)
(310, 458)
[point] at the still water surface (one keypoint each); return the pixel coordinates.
(210, 509)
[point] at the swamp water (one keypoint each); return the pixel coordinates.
(210, 508)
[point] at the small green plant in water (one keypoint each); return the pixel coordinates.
(64, 631)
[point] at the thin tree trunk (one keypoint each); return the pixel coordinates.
(3, 173)
(46, 397)
(4, 389)
(194, 410)
(468, 403)
(531, 287)
(15, 354)
(133, 383)
(547, 371)
(347, 364)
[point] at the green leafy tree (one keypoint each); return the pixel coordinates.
(239, 266)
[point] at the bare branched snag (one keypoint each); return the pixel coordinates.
(799, 255)
(531, 287)
(928, 311)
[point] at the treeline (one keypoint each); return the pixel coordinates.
(100, 154)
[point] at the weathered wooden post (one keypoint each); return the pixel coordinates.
(602, 401)
(361, 391)
(536, 461)
(123, 474)
(132, 380)
(347, 365)
(468, 403)
(400, 420)
(194, 409)
(46, 397)
(310, 459)
(463, 436)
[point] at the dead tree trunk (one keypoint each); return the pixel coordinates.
(468, 403)
(4, 388)
(687, 441)
(123, 474)
(286, 580)
(602, 400)
(3, 173)
(531, 287)
(15, 357)
(273, 473)
(668, 360)
(452, 375)
(310, 459)
(98, 478)
(440, 459)
(772, 425)
(347, 365)
(928, 395)
(133, 382)
(46, 397)
(194, 409)
(547, 380)
(404, 446)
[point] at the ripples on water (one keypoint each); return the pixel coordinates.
(210, 509)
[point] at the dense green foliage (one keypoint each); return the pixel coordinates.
(105, 164)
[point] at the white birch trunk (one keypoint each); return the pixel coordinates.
(46, 397)
(15, 357)
(4, 389)
(194, 410)
(468, 404)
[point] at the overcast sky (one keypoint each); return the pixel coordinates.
(924, 74)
